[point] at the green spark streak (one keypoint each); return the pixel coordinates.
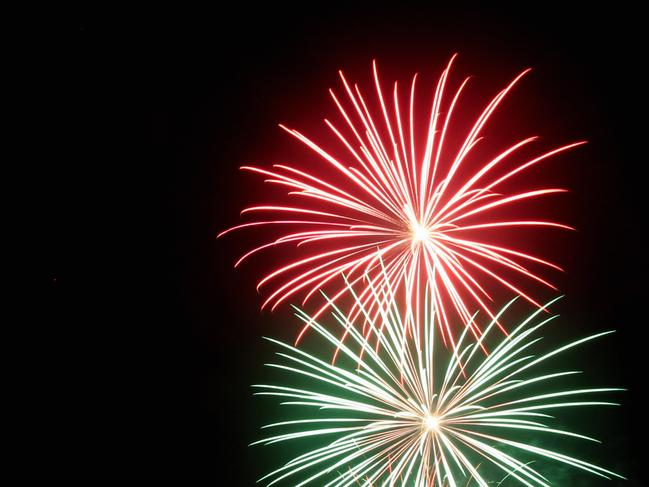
(399, 425)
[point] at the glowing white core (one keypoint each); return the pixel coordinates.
(431, 423)
(419, 233)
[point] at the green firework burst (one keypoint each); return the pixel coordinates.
(393, 410)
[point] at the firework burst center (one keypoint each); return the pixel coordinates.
(431, 423)
(420, 233)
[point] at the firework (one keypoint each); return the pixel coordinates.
(402, 194)
(391, 415)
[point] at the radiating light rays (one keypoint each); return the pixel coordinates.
(406, 195)
(412, 413)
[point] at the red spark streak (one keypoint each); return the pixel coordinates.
(397, 222)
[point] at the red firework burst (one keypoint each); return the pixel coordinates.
(406, 219)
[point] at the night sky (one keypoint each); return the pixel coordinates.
(196, 95)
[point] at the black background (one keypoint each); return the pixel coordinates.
(197, 94)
